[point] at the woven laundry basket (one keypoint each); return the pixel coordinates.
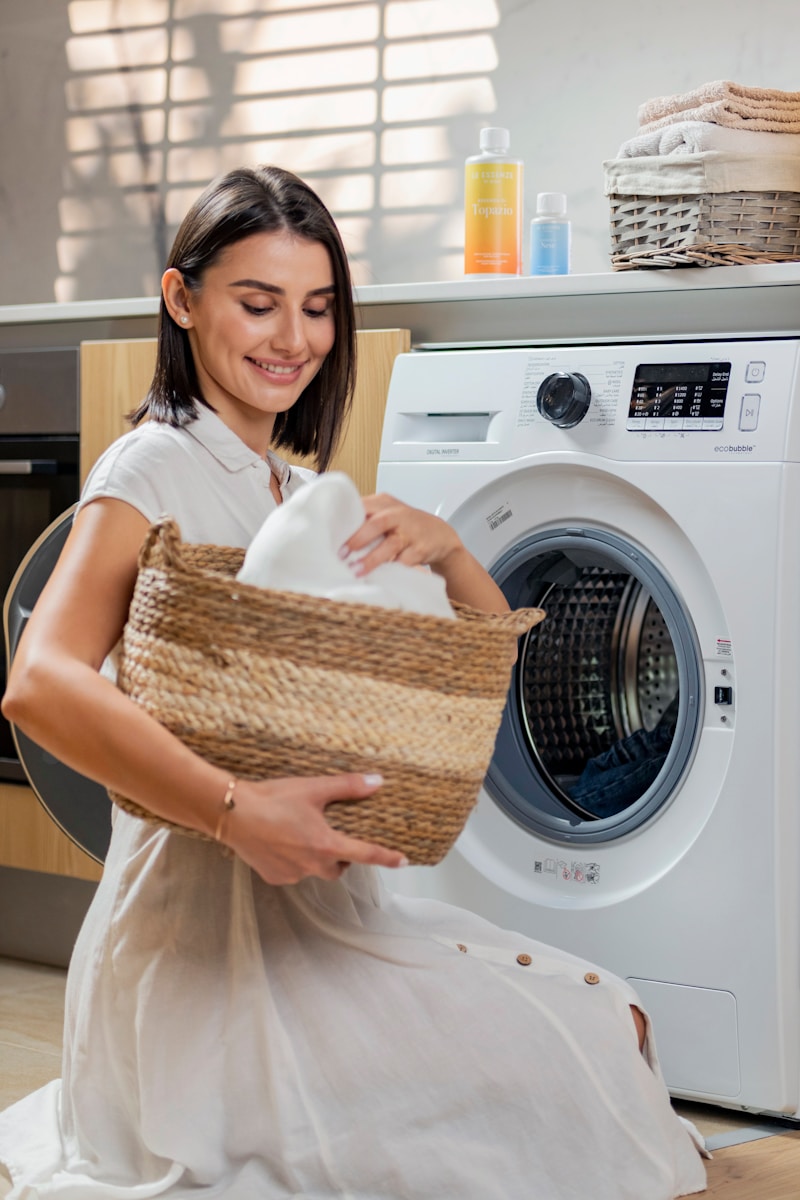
(703, 210)
(266, 683)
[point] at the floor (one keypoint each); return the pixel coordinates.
(754, 1158)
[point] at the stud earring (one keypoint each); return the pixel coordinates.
(184, 320)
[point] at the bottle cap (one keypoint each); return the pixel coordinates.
(495, 140)
(551, 204)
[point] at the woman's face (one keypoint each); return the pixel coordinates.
(260, 328)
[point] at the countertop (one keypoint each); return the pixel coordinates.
(726, 301)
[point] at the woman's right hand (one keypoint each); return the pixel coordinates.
(278, 828)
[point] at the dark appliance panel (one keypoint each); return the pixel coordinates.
(39, 479)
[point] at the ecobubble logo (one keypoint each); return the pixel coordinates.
(737, 449)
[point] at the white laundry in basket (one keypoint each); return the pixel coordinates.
(297, 550)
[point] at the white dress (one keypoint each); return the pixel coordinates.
(226, 1038)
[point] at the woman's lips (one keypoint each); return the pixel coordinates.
(278, 372)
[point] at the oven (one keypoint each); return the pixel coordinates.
(39, 478)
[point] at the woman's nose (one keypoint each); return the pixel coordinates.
(288, 333)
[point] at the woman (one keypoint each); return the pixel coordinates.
(271, 1023)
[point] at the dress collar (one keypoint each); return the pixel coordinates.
(213, 434)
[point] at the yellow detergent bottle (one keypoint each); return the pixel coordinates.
(493, 208)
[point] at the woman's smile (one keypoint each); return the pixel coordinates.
(260, 328)
(281, 372)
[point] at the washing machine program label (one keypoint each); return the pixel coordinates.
(561, 871)
(605, 380)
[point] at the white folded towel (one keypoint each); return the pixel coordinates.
(695, 137)
(297, 550)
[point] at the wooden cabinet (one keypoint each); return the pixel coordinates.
(31, 841)
(115, 376)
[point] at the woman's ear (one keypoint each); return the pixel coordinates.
(176, 297)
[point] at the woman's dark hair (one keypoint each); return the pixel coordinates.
(235, 206)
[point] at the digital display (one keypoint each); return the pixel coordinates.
(676, 396)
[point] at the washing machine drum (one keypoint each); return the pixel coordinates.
(602, 717)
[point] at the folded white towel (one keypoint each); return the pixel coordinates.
(693, 137)
(297, 550)
(726, 103)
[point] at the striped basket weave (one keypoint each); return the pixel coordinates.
(265, 684)
(703, 209)
(712, 230)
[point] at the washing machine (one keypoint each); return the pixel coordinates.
(641, 807)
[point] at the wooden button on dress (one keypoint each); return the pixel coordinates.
(590, 977)
(462, 947)
(524, 960)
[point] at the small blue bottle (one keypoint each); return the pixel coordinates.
(550, 235)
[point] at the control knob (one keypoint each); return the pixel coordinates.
(563, 398)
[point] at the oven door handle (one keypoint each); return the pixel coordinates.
(28, 466)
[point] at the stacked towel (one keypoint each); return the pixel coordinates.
(695, 137)
(721, 117)
(297, 550)
(719, 141)
(763, 110)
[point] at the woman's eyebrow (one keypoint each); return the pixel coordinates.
(258, 285)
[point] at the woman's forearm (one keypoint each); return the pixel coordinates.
(276, 826)
(468, 583)
(85, 721)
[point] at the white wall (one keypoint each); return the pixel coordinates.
(116, 112)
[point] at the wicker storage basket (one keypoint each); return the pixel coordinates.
(266, 683)
(696, 211)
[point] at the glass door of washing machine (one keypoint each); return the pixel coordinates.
(602, 718)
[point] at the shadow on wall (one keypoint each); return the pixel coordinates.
(372, 103)
(118, 112)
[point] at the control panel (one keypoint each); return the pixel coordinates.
(679, 396)
(691, 400)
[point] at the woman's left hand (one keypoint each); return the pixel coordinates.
(417, 538)
(400, 534)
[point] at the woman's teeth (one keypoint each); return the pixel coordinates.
(274, 369)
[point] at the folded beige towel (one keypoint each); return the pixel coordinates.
(765, 110)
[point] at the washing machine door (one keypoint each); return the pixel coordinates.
(79, 806)
(603, 711)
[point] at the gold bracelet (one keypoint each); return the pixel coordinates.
(228, 803)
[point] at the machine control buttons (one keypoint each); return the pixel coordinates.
(673, 424)
(563, 398)
(748, 414)
(754, 372)
(723, 695)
